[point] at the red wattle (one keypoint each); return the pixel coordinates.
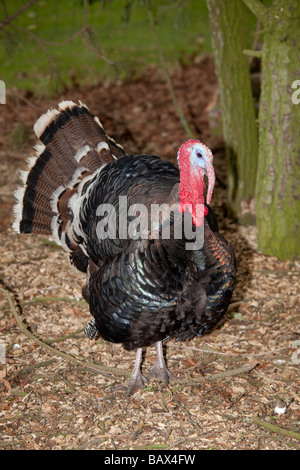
(197, 222)
(181, 207)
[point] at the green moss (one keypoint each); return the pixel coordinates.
(278, 188)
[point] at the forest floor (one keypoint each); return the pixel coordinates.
(229, 381)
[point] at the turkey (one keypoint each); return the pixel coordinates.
(156, 266)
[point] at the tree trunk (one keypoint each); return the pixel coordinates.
(278, 177)
(238, 113)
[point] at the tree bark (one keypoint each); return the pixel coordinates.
(238, 113)
(278, 176)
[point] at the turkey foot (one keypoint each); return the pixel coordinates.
(136, 380)
(159, 369)
(131, 384)
(162, 373)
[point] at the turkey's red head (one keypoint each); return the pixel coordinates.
(195, 160)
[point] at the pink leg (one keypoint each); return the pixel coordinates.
(159, 369)
(136, 380)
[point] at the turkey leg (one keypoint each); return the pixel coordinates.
(136, 380)
(159, 369)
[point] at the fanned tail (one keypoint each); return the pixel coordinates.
(74, 148)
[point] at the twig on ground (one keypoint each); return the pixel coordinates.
(105, 370)
(277, 429)
(189, 416)
(30, 368)
(230, 373)
(221, 353)
(52, 299)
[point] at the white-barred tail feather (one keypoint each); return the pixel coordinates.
(49, 200)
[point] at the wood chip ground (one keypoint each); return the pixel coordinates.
(229, 381)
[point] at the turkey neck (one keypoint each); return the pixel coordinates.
(191, 187)
(217, 251)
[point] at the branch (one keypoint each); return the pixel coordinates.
(41, 44)
(70, 39)
(85, 32)
(4, 8)
(52, 299)
(257, 32)
(17, 13)
(221, 375)
(253, 53)
(273, 428)
(167, 75)
(258, 9)
(93, 49)
(88, 30)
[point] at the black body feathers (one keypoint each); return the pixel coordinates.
(141, 289)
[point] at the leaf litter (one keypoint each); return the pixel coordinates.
(229, 381)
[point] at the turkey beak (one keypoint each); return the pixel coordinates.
(211, 181)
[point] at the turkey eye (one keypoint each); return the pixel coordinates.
(199, 154)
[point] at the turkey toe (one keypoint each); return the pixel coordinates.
(130, 385)
(162, 373)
